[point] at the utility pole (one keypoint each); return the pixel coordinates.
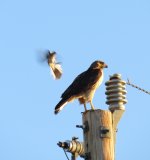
(99, 137)
(100, 126)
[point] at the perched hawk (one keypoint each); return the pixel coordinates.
(84, 86)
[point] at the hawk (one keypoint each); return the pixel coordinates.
(84, 86)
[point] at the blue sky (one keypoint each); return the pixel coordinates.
(117, 32)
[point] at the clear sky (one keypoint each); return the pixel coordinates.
(117, 32)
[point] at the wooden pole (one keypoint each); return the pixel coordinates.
(98, 135)
(99, 126)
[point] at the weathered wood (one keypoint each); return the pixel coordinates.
(95, 142)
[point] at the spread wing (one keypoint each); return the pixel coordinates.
(83, 82)
(56, 70)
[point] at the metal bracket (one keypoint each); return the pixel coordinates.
(85, 126)
(87, 156)
(104, 132)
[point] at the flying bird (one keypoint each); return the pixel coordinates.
(51, 59)
(55, 66)
(83, 87)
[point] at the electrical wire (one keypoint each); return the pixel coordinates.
(139, 88)
(66, 154)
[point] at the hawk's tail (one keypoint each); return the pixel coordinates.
(60, 105)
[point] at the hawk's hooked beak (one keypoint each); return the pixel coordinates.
(105, 66)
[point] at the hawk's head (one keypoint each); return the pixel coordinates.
(98, 65)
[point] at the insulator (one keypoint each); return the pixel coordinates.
(73, 146)
(116, 92)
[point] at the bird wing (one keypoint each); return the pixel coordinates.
(83, 82)
(56, 70)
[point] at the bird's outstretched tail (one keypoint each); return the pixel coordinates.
(60, 106)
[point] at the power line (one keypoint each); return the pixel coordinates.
(139, 88)
(66, 154)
